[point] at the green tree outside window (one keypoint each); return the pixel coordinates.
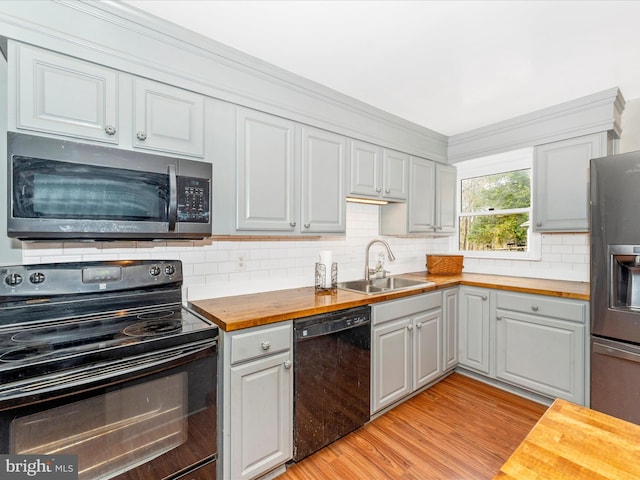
(495, 212)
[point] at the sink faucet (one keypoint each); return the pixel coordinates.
(390, 254)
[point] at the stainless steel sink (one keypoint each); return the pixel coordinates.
(380, 285)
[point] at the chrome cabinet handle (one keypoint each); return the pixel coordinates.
(378, 189)
(409, 327)
(498, 317)
(287, 364)
(266, 345)
(419, 325)
(388, 190)
(534, 308)
(307, 225)
(110, 130)
(538, 224)
(484, 297)
(292, 224)
(141, 136)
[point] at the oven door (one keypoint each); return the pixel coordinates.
(153, 416)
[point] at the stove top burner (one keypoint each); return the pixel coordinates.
(151, 328)
(23, 353)
(106, 332)
(156, 315)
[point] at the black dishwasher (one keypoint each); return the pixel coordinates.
(332, 355)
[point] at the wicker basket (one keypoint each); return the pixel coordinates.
(445, 264)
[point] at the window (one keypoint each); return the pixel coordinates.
(495, 207)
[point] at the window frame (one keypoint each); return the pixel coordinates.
(494, 164)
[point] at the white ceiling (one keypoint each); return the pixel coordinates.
(451, 66)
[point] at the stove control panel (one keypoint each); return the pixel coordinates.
(13, 279)
(87, 277)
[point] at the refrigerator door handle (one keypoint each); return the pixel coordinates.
(612, 351)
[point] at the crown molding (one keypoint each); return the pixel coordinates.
(599, 112)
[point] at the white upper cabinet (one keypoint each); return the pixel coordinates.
(445, 202)
(430, 207)
(290, 178)
(561, 183)
(62, 95)
(168, 119)
(421, 204)
(324, 168)
(265, 172)
(395, 174)
(378, 173)
(365, 169)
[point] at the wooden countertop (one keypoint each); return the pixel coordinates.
(575, 442)
(244, 311)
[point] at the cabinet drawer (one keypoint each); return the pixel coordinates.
(572, 310)
(260, 342)
(405, 307)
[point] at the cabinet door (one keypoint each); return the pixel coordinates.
(63, 95)
(395, 168)
(426, 347)
(365, 169)
(474, 329)
(542, 354)
(446, 182)
(450, 330)
(561, 183)
(265, 190)
(421, 206)
(323, 181)
(168, 119)
(261, 416)
(392, 363)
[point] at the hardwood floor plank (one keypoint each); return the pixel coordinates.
(459, 429)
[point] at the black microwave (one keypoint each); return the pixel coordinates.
(60, 189)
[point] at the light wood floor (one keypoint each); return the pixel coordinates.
(458, 429)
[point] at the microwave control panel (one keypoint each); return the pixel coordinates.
(193, 200)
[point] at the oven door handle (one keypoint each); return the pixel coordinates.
(106, 373)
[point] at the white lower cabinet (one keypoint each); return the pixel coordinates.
(450, 329)
(535, 342)
(257, 411)
(541, 344)
(474, 336)
(406, 347)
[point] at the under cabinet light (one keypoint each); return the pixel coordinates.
(368, 201)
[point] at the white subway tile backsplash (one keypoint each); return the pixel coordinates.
(212, 267)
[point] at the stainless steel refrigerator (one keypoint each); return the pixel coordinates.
(615, 285)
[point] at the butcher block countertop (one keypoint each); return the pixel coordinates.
(575, 442)
(251, 310)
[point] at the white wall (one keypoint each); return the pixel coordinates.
(630, 138)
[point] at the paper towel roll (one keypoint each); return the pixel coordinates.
(326, 260)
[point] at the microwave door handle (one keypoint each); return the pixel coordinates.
(173, 197)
